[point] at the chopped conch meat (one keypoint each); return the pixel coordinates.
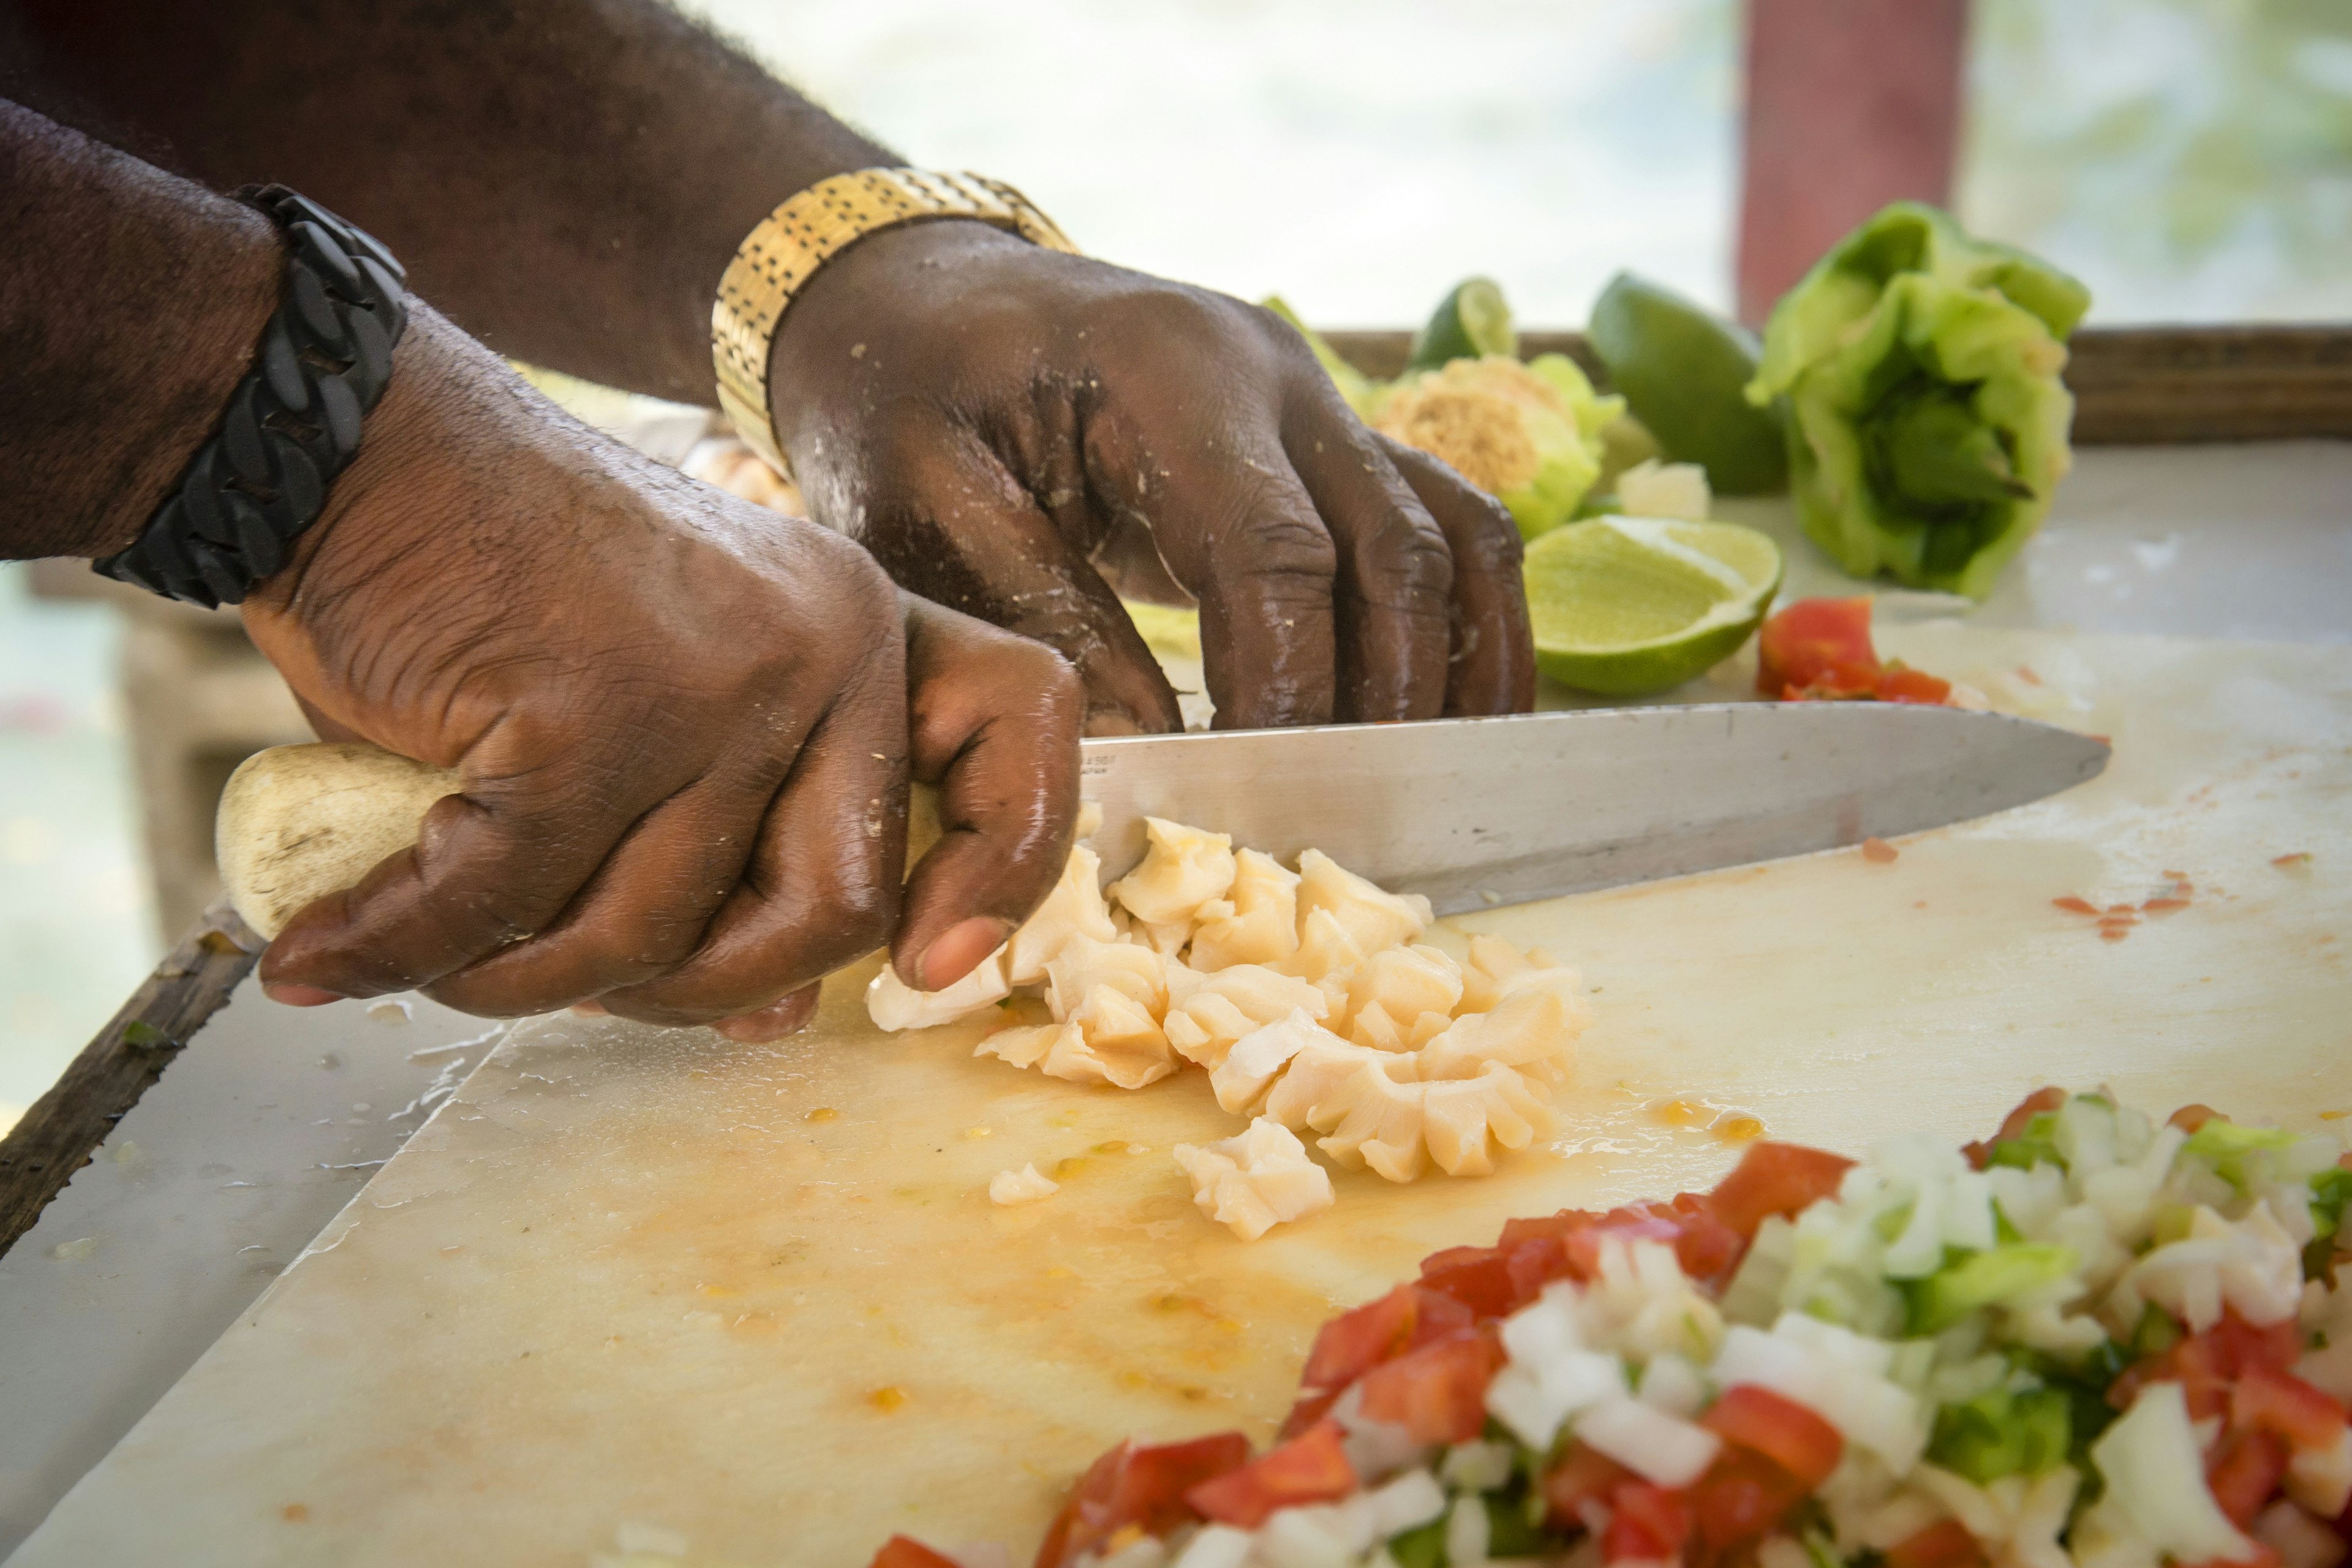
(1309, 996)
(1183, 867)
(1026, 1186)
(1255, 1180)
(894, 1005)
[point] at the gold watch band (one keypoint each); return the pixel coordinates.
(777, 258)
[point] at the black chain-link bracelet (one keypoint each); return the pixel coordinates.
(291, 426)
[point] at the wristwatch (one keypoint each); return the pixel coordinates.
(778, 257)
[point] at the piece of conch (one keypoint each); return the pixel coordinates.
(1183, 867)
(894, 1005)
(1255, 1180)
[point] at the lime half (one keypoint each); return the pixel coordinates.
(1630, 606)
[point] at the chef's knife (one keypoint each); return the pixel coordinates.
(1471, 811)
(1480, 812)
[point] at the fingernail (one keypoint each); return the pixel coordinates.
(789, 1016)
(297, 995)
(956, 951)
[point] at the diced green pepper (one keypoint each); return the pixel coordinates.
(1928, 425)
(2037, 1145)
(1985, 1278)
(1424, 1546)
(2003, 1432)
(2231, 1150)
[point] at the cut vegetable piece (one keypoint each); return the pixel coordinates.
(1771, 1178)
(1819, 647)
(1655, 489)
(1309, 1468)
(1140, 1488)
(1783, 1431)
(2000, 1277)
(1437, 1392)
(2155, 1475)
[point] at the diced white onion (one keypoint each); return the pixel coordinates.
(2156, 1479)
(1467, 1533)
(1477, 1467)
(1216, 1546)
(1671, 1384)
(1407, 1502)
(2321, 1480)
(1659, 1447)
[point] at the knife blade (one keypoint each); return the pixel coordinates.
(1471, 811)
(1480, 812)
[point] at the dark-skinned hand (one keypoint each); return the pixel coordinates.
(1002, 425)
(685, 728)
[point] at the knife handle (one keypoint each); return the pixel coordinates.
(298, 823)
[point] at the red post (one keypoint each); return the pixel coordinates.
(1851, 104)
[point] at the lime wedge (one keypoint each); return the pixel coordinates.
(1630, 606)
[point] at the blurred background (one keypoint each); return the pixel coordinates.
(2191, 160)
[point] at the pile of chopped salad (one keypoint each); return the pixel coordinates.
(2092, 1340)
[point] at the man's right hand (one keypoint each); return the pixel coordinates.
(682, 724)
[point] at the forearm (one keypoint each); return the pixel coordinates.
(129, 305)
(565, 178)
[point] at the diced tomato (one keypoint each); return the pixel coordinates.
(1437, 1392)
(1583, 1478)
(2189, 1118)
(1310, 1468)
(1517, 1233)
(1310, 1408)
(2310, 1420)
(2209, 1365)
(1354, 1343)
(1480, 1278)
(905, 1552)
(2245, 1474)
(1780, 1429)
(1647, 1523)
(1944, 1544)
(1771, 1178)
(2049, 1096)
(1817, 644)
(1742, 1498)
(1900, 683)
(1139, 1485)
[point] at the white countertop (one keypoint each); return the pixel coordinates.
(270, 1120)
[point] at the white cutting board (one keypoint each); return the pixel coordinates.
(751, 1305)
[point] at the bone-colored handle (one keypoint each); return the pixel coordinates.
(297, 823)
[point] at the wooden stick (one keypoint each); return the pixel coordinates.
(57, 1136)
